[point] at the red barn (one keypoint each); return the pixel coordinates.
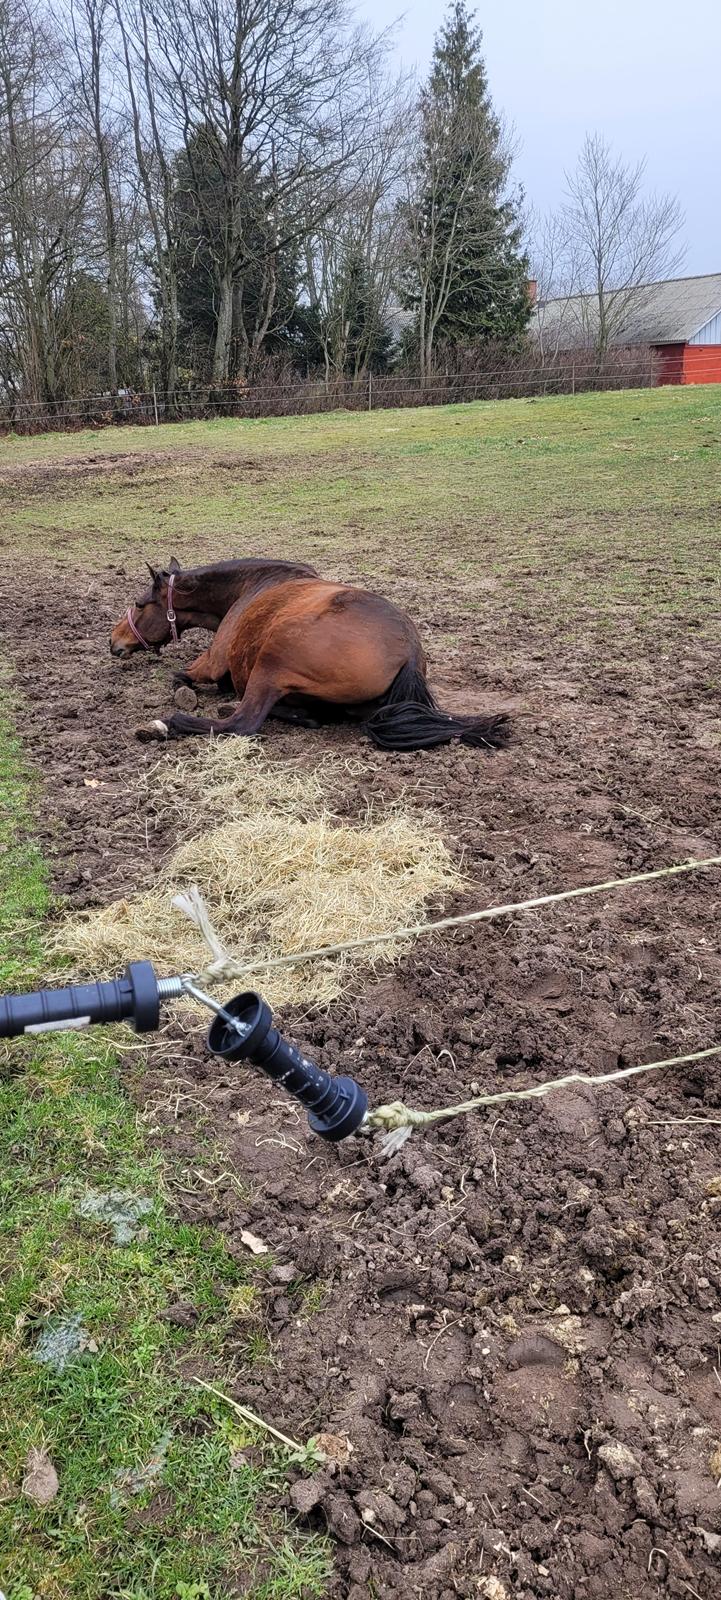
(680, 319)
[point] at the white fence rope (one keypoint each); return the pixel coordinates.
(399, 1120)
(225, 966)
(396, 1119)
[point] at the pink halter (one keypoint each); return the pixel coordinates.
(136, 634)
(170, 614)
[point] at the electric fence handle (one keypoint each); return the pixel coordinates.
(135, 998)
(241, 1031)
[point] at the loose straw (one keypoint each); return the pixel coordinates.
(224, 966)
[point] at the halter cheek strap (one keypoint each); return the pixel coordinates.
(170, 614)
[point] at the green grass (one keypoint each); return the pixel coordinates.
(23, 888)
(66, 1127)
(610, 498)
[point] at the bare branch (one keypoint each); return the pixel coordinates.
(609, 242)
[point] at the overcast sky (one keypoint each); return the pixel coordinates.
(645, 73)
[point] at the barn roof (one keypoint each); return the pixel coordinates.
(670, 312)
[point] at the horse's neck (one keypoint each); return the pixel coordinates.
(208, 620)
(223, 589)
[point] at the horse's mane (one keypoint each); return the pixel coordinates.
(250, 564)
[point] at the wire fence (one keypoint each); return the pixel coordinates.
(306, 396)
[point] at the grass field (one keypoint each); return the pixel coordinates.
(618, 490)
(515, 532)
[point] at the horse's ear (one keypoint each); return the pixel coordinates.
(154, 575)
(174, 564)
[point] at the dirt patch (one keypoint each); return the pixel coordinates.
(515, 1321)
(66, 476)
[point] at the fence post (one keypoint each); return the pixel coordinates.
(573, 378)
(155, 407)
(370, 391)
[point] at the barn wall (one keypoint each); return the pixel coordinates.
(689, 363)
(670, 361)
(702, 363)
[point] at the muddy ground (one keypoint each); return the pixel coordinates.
(517, 1320)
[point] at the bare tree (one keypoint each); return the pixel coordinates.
(154, 157)
(271, 98)
(552, 266)
(616, 240)
(90, 20)
(47, 173)
(363, 226)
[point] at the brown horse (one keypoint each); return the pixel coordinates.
(296, 646)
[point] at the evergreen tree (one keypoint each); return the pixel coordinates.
(366, 337)
(199, 209)
(345, 329)
(467, 276)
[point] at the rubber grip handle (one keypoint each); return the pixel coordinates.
(336, 1106)
(134, 997)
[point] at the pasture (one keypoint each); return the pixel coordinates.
(515, 1321)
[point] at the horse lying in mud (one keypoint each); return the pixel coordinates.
(299, 647)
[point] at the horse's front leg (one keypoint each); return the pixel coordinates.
(212, 668)
(261, 694)
(200, 674)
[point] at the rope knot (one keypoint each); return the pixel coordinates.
(222, 965)
(397, 1122)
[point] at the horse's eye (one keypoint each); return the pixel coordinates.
(139, 605)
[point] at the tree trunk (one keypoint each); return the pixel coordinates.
(270, 284)
(223, 332)
(602, 333)
(161, 215)
(111, 232)
(112, 284)
(47, 348)
(169, 333)
(422, 336)
(112, 332)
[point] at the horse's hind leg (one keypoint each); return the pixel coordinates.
(299, 718)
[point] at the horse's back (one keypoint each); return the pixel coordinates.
(312, 599)
(338, 610)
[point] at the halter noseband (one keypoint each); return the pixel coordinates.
(170, 614)
(135, 632)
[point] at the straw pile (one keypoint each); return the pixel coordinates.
(278, 873)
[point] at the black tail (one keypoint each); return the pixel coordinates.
(409, 719)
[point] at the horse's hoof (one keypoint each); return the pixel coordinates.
(185, 698)
(152, 731)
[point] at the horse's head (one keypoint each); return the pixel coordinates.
(156, 617)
